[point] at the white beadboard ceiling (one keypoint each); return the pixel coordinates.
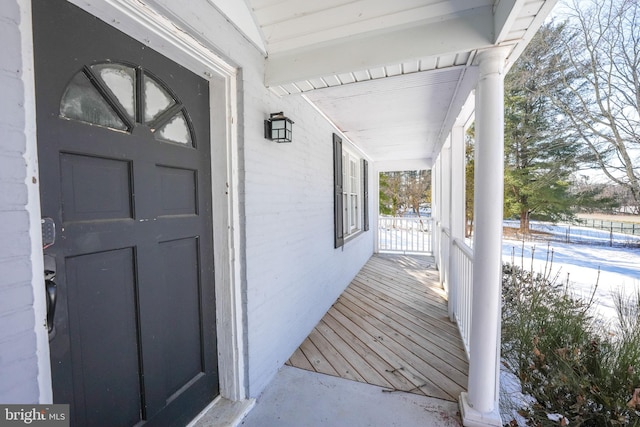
(392, 75)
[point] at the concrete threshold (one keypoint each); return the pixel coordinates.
(223, 413)
(298, 398)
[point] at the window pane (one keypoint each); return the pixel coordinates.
(345, 183)
(345, 214)
(82, 101)
(354, 211)
(121, 80)
(354, 175)
(156, 99)
(176, 130)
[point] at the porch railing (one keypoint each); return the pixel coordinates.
(404, 234)
(461, 276)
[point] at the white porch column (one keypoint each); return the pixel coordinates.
(479, 406)
(374, 206)
(445, 174)
(445, 212)
(457, 210)
(457, 224)
(435, 209)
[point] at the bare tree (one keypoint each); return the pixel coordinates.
(595, 81)
(401, 191)
(417, 189)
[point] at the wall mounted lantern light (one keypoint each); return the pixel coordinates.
(278, 128)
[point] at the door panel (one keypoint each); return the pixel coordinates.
(177, 189)
(180, 337)
(110, 381)
(95, 188)
(125, 171)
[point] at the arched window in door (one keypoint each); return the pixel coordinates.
(120, 97)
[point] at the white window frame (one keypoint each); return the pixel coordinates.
(351, 192)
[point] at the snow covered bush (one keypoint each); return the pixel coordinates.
(575, 371)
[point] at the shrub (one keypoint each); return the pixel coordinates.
(575, 372)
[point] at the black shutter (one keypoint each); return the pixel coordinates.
(365, 195)
(337, 192)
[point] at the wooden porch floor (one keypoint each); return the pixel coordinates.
(390, 328)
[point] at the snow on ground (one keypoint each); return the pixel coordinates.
(613, 269)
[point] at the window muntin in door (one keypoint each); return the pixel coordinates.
(120, 97)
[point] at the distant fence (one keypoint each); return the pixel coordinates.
(404, 234)
(579, 234)
(611, 226)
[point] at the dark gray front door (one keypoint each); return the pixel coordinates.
(124, 153)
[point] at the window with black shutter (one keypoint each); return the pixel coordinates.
(365, 195)
(338, 205)
(351, 192)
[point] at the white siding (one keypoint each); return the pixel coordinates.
(19, 331)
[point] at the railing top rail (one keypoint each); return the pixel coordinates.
(406, 218)
(463, 247)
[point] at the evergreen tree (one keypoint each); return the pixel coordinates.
(384, 199)
(468, 175)
(539, 155)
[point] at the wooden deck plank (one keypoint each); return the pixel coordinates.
(299, 360)
(443, 376)
(427, 341)
(431, 304)
(337, 361)
(317, 359)
(369, 368)
(400, 367)
(432, 330)
(383, 370)
(390, 328)
(409, 349)
(412, 305)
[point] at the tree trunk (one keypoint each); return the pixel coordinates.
(524, 221)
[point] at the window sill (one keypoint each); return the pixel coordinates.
(353, 235)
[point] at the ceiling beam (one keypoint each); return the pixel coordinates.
(505, 14)
(460, 34)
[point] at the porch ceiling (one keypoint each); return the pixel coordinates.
(392, 75)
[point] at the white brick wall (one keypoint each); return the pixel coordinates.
(18, 342)
(293, 272)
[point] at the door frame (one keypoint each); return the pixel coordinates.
(152, 29)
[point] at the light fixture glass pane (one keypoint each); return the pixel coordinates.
(156, 99)
(176, 130)
(277, 124)
(82, 101)
(121, 80)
